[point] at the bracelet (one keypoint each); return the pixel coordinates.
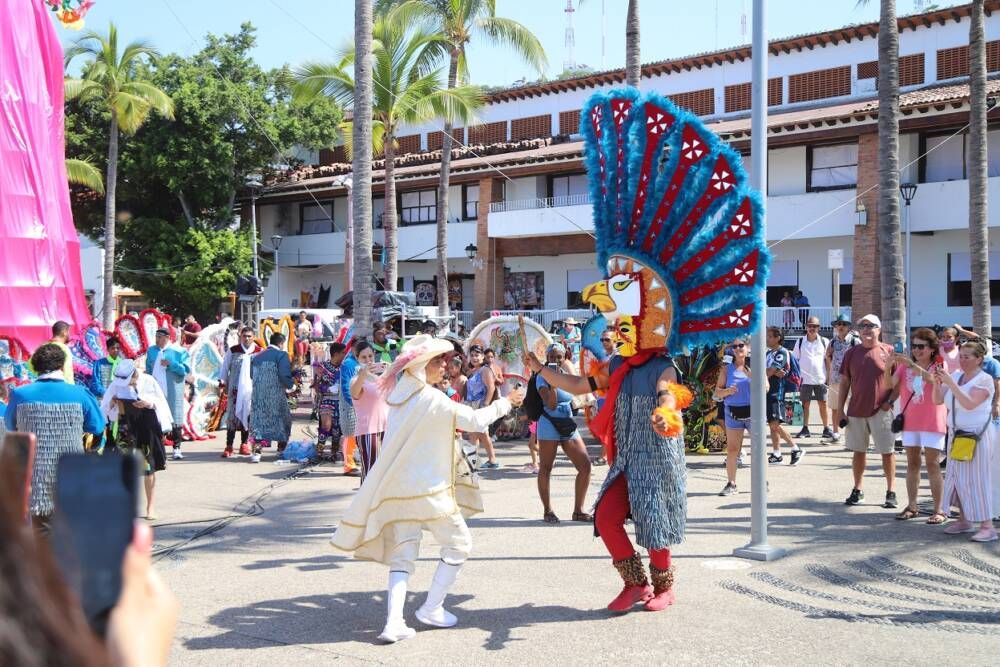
(592, 382)
(663, 392)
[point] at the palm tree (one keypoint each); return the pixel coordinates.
(633, 66)
(889, 243)
(407, 91)
(361, 168)
(982, 320)
(458, 21)
(110, 79)
(83, 172)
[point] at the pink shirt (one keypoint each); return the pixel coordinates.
(951, 360)
(370, 411)
(920, 413)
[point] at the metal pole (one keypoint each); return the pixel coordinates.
(836, 292)
(253, 238)
(758, 548)
(349, 240)
(908, 325)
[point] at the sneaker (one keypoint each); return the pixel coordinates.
(255, 457)
(245, 450)
(834, 437)
(740, 463)
(728, 490)
(890, 500)
(774, 458)
(985, 535)
(857, 495)
(227, 453)
(804, 433)
(828, 434)
(898, 447)
(489, 465)
(797, 455)
(178, 456)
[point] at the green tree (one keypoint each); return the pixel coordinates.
(458, 22)
(109, 79)
(83, 172)
(183, 269)
(407, 90)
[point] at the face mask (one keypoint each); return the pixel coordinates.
(948, 344)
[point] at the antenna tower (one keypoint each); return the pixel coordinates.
(570, 62)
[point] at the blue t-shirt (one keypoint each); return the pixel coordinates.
(564, 400)
(348, 369)
(777, 358)
(991, 367)
(56, 392)
(736, 377)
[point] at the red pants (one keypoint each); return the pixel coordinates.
(612, 512)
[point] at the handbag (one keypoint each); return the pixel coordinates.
(963, 443)
(898, 421)
(565, 426)
(739, 412)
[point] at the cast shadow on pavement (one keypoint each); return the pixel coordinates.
(358, 617)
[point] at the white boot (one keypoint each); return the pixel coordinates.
(396, 628)
(432, 611)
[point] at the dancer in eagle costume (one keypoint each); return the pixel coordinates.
(679, 237)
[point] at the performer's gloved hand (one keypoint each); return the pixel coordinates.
(516, 397)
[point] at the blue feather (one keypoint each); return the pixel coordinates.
(591, 336)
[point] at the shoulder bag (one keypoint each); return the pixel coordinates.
(963, 443)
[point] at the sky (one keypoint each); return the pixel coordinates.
(297, 31)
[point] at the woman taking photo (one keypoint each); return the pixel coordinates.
(967, 395)
(556, 426)
(370, 408)
(480, 390)
(923, 419)
(733, 389)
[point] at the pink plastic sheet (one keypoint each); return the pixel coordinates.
(40, 280)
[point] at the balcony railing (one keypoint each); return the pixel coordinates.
(547, 202)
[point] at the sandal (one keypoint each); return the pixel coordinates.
(907, 514)
(583, 517)
(550, 517)
(599, 461)
(937, 519)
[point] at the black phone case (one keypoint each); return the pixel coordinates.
(92, 527)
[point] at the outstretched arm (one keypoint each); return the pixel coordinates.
(574, 384)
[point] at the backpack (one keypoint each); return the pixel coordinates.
(793, 380)
(532, 404)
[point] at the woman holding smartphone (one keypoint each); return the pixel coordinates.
(733, 389)
(370, 408)
(480, 390)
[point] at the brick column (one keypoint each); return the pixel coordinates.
(867, 287)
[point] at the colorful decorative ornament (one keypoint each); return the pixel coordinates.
(680, 398)
(285, 326)
(502, 334)
(678, 228)
(70, 12)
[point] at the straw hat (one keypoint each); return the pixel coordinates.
(421, 349)
(570, 320)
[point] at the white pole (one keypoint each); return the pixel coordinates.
(349, 240)
(253, 224)
(908, 326)
(758, 548)
(836, 292)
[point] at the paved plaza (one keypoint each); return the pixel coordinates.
(244, 547)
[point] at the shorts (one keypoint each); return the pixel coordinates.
(731, 422)
(546, 431)
(775, 410)
(878, 426)
(348, 419)
(924, 439)
(833, 396)
(812, 392)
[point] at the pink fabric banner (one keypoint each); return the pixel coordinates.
(40, 280)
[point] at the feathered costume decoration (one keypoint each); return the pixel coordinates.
(678, 228)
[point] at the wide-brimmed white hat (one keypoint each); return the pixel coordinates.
(570, 320)
(418, 351)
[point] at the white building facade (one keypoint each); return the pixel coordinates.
(519, 196)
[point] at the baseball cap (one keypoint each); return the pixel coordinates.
(841, 319)
(873, 319)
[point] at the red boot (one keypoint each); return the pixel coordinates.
(245, 449)
(663, 589)
(227, 452)
(637, 588)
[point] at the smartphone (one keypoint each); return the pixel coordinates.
(898, 347)
(377, 368)
(727, 358)
(17, 459)
(92, 527)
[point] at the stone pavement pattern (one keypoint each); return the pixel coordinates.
(244, 547)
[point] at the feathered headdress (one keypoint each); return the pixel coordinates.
(678, 227)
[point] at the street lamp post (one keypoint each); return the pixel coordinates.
(908, 191)
(253, 183)
(276, 243)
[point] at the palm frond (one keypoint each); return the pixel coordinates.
(83, 172)
(329, 79)
(514, 35)
(81, 89)
(159, 101)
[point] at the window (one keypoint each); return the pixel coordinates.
(833, 167)
(565, 189)
(944, 158)
(470, 202)
(418, 208)
(316, 219)
(576, 281)
(378, 208)
(960, 279)
(784, 277)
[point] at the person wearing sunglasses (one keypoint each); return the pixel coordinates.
(843, 340)
(608, 343)
(868, 415)
(923, 426)
(810, 352)
(778, 366)
(733, 389)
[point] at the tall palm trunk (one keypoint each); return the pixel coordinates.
(982, 320)
(442, 199)
(890, 247)
(389, 223)
(633, 69)
(361, 167)
(108, 302)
